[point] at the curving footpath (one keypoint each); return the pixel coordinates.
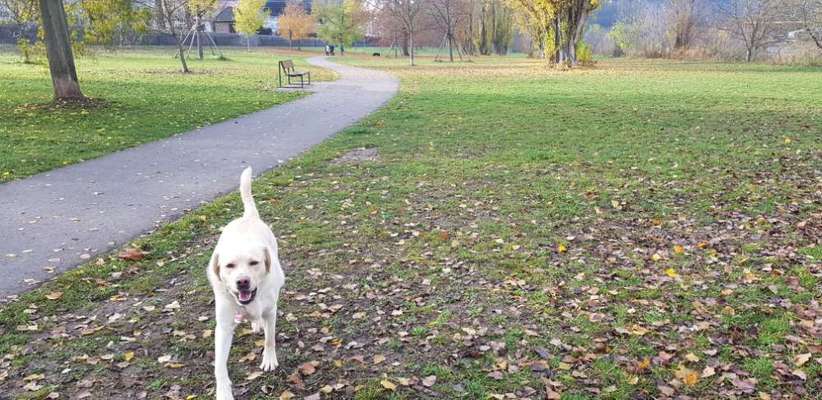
(56, 220)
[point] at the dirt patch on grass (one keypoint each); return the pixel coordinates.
(357, 156)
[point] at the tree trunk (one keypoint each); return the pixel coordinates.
(199, 43)
(58, 50)
(405, 52)
(748, 54)
(450, 46)
(411, 45)
(182, 54)
(290, 41)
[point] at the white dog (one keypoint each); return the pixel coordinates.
(246, 276)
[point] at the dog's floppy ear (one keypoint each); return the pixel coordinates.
(267, 259)
(214, 264)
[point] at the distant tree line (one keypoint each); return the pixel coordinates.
(728, 29)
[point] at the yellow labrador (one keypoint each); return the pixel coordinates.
(246, 276)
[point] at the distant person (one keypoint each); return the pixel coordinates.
(327, 50)
(332, 49)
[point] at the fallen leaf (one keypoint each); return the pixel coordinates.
(54, 295)
(388, 385)
(800, 374)
(286, 395)
(429, 381)
(128, 356)
(378, 358)
(131, 254)
(687, 375)
(708, 372)
(307, 368)
(801, 359)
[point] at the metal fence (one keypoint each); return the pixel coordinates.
(10, 32)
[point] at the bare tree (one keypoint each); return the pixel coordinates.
(752, 21)
(407, 13)
(683, 18)
(809, 13)
(174, 21)
(58, 50)
(447, 14)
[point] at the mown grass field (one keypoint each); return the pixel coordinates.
(143, 97)
(641, 229)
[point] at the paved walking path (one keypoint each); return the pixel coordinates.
(58, 219)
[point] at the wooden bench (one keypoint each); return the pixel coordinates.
(286, 67)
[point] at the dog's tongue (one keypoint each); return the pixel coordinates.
(245, 295)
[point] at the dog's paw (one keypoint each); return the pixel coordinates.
(256, 327)
(269, 361)
(224, 392)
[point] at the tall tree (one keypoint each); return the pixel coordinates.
(448, 14)
(295, 22)
(113, 22)
(198, 9)
(809, 15)
(561, 21)
(249, 17)
(751, 21)
(407, 13)
(58, 50)
(174, 15)
(24, 14)
(341, 24)
(683, 17)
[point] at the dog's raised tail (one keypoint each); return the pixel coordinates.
(249, 208)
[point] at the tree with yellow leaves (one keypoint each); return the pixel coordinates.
(295, 23)
(560, 25)
(249, 17)
(198, 9)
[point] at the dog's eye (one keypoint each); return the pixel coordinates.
(229, 266)
(254, 263)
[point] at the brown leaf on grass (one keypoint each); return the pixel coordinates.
(801, 359)
(296, 380)
(708, 372)
(286, 395)
(388, 385)
(308, 368)
(378, 359)
(552, 395)
(132, 254)
(54, 295)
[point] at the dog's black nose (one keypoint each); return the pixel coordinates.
(243, 284)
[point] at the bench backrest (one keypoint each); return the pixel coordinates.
(287, 65)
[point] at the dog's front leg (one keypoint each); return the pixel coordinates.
(223, 336)
(270, 350)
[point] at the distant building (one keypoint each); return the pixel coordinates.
(224, 19)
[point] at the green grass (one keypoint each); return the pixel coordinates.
(143, 97)
(484, 168)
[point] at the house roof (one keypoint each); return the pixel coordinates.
(225, 15)
(275, 8)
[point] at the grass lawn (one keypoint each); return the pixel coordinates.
(642, 229)
(145, 98)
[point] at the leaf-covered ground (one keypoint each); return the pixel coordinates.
(637, 230)
(139, 96)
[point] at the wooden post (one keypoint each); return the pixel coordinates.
(58, 50)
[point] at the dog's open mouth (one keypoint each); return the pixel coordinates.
(246, 296)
